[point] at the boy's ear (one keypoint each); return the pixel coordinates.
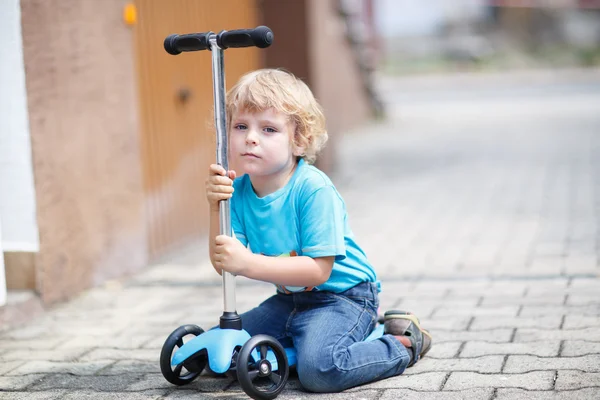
(298, 151)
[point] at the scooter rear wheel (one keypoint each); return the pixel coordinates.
(258, 377)
(188, 371)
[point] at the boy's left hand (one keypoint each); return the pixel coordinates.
(231, 255)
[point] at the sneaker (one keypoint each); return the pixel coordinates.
(403, 323)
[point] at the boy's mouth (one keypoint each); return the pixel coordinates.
(250, 155)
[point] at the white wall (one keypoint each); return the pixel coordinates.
(17, 192)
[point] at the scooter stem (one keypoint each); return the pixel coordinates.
(218, 68)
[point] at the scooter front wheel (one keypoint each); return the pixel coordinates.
(190, 369)
(262, 367)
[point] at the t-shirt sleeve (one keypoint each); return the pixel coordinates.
(322, 224)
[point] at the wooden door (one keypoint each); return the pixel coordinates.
(176, 103)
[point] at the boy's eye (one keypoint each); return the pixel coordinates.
(270, 130)
(240, 126)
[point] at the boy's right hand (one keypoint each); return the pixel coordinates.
(219, 185)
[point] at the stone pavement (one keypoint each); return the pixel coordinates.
(479, 202)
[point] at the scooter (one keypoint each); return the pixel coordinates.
(260, 363)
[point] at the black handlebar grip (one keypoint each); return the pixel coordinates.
(260, 36)
(175, 44)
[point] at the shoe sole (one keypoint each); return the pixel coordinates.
(414, 320)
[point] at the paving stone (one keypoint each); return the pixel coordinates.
(44, 355)
(117, 342)
(581, 299)
(568, 380)
(509, 311)
(520, 394)
(51, 395)
(581, 321)
(157, 381)
(301, 395)
(544, 322)
(427, 381)
(579, 348)
(112, 383)
(493, 335)
(444, 350)
(544, 349)
(19, 382)
(152, 355)
(506, 300)
(518, 364)
(534, 335)
(536, 311)
(486, 364)
(33, 344)
(44, 367)
(131, 367)
(585, 283)
(446, 323)
(143, 395)
(540, 380)
(407, 394)
(7, 366)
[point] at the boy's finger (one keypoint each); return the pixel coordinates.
(232, 175)
(217, 169)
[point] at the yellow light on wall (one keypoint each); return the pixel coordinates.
(130, 14)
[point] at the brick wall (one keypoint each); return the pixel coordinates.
(83, 111)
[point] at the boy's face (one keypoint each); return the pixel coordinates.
(261, 142)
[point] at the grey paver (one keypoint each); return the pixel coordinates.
(44, 355)
(426, 381)
(112, 383)
(581, 321)
(544, 349)
(444, 350)
(567, 380)
(509, 311)
(469, 394)
(543, 322)
(579, 348)
(534, 311)
(499, 335)
(520, 394)
(19, 382)
(143, 395)
(534, 335)
(50, 395)
(486, 364)
(541, 380)
(157, 381)
(517, 364)
(75, 368)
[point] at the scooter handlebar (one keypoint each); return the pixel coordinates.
(260, 36)
(175, 44)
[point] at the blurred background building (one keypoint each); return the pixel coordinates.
(105, 139)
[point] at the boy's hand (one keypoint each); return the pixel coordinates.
(219, 185)
(230, 255)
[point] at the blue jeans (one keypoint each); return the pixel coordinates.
(327, 329)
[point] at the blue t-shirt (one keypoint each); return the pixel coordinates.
(307, 217)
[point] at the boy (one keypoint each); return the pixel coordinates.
(291, 229)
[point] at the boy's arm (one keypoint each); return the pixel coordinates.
(289, 271)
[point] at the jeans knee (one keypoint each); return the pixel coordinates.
(319, 377)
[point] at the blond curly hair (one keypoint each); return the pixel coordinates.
(281, 90)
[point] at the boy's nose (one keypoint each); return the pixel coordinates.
(251, 137)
